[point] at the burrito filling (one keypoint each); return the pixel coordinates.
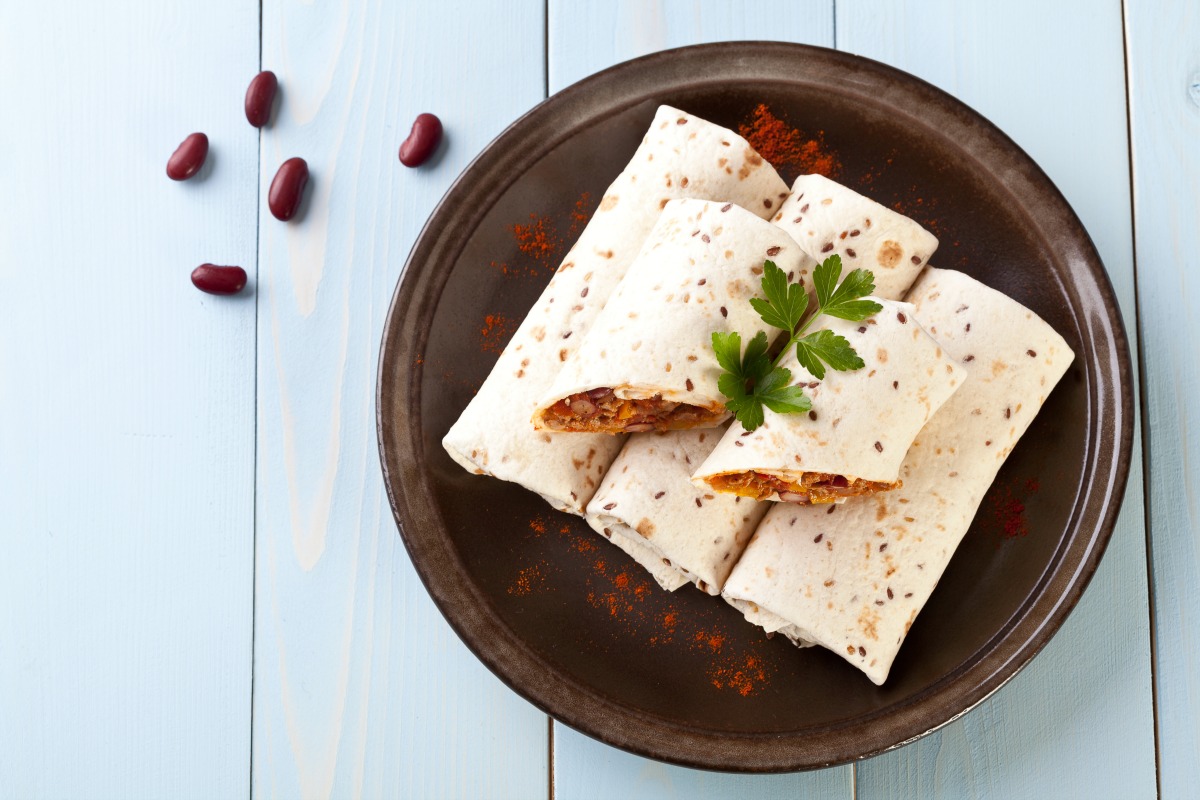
(808, 487)
(601, 411)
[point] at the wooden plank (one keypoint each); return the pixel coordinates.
(588, 37)
(360, 686)
(1078, 722)
(584, 38)
(127, 400)
(585, 768)
(1164, 90)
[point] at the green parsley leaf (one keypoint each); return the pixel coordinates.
(829, 347)
(825, 278)
(845, 302)
(854, 310)
(742, 369)
(776, 395)
(755, 363)
(732, 386)
(748, 411)
(728, 349)
(785, 304)
(752, 380)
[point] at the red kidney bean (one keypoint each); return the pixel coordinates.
(188, 158)
(259, 98)
(219, 280)
(287, 190)
(584, 407)
(422, 141)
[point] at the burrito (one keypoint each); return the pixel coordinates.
(825, 217)
(647, 362)
(681, 156)
(862, 423)
(681, 535)
(854, 581)
(663, 572)
(689, 555)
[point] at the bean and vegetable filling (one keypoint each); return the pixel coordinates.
(809, 488)
(601, 411)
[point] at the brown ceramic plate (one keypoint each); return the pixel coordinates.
(573, 625)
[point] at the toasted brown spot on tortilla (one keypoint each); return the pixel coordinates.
(889, 253)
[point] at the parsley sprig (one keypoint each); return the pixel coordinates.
(751, 380)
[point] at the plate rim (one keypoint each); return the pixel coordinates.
(649, 735)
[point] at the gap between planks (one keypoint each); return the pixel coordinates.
(545, 96)
(1143, 409)
(254, 467)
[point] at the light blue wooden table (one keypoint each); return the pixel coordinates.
(202, 593)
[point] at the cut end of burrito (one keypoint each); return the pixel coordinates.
(604, 410)
(862, 422)
(804, 488)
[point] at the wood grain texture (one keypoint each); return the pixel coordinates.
(585, 38)
(588, 37)
(587, 769)
(360, 686)
(1078, 722)
(126, 402)
(1164, 82)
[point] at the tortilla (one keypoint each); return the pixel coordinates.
(825, 217)
(663, 573)
(861, 425)
(855, 579)
(646, 499)
(647, 363)
(872, 234)
(681, 156)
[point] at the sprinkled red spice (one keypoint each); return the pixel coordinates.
(538, 238)
(640, 612)
(1008, 510)
(541, 239)
(743, 674)
(712, 639)
(494, 333)
(580, 214)
(786, 147)
(528, 579)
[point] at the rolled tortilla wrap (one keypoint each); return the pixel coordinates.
(862, 422)
(646, 499)
(647, 362)
(691, 556)
(680, 156)
(825, 217)
(663, 573)
(854, 580)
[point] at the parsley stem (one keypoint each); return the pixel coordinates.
(795, 337)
